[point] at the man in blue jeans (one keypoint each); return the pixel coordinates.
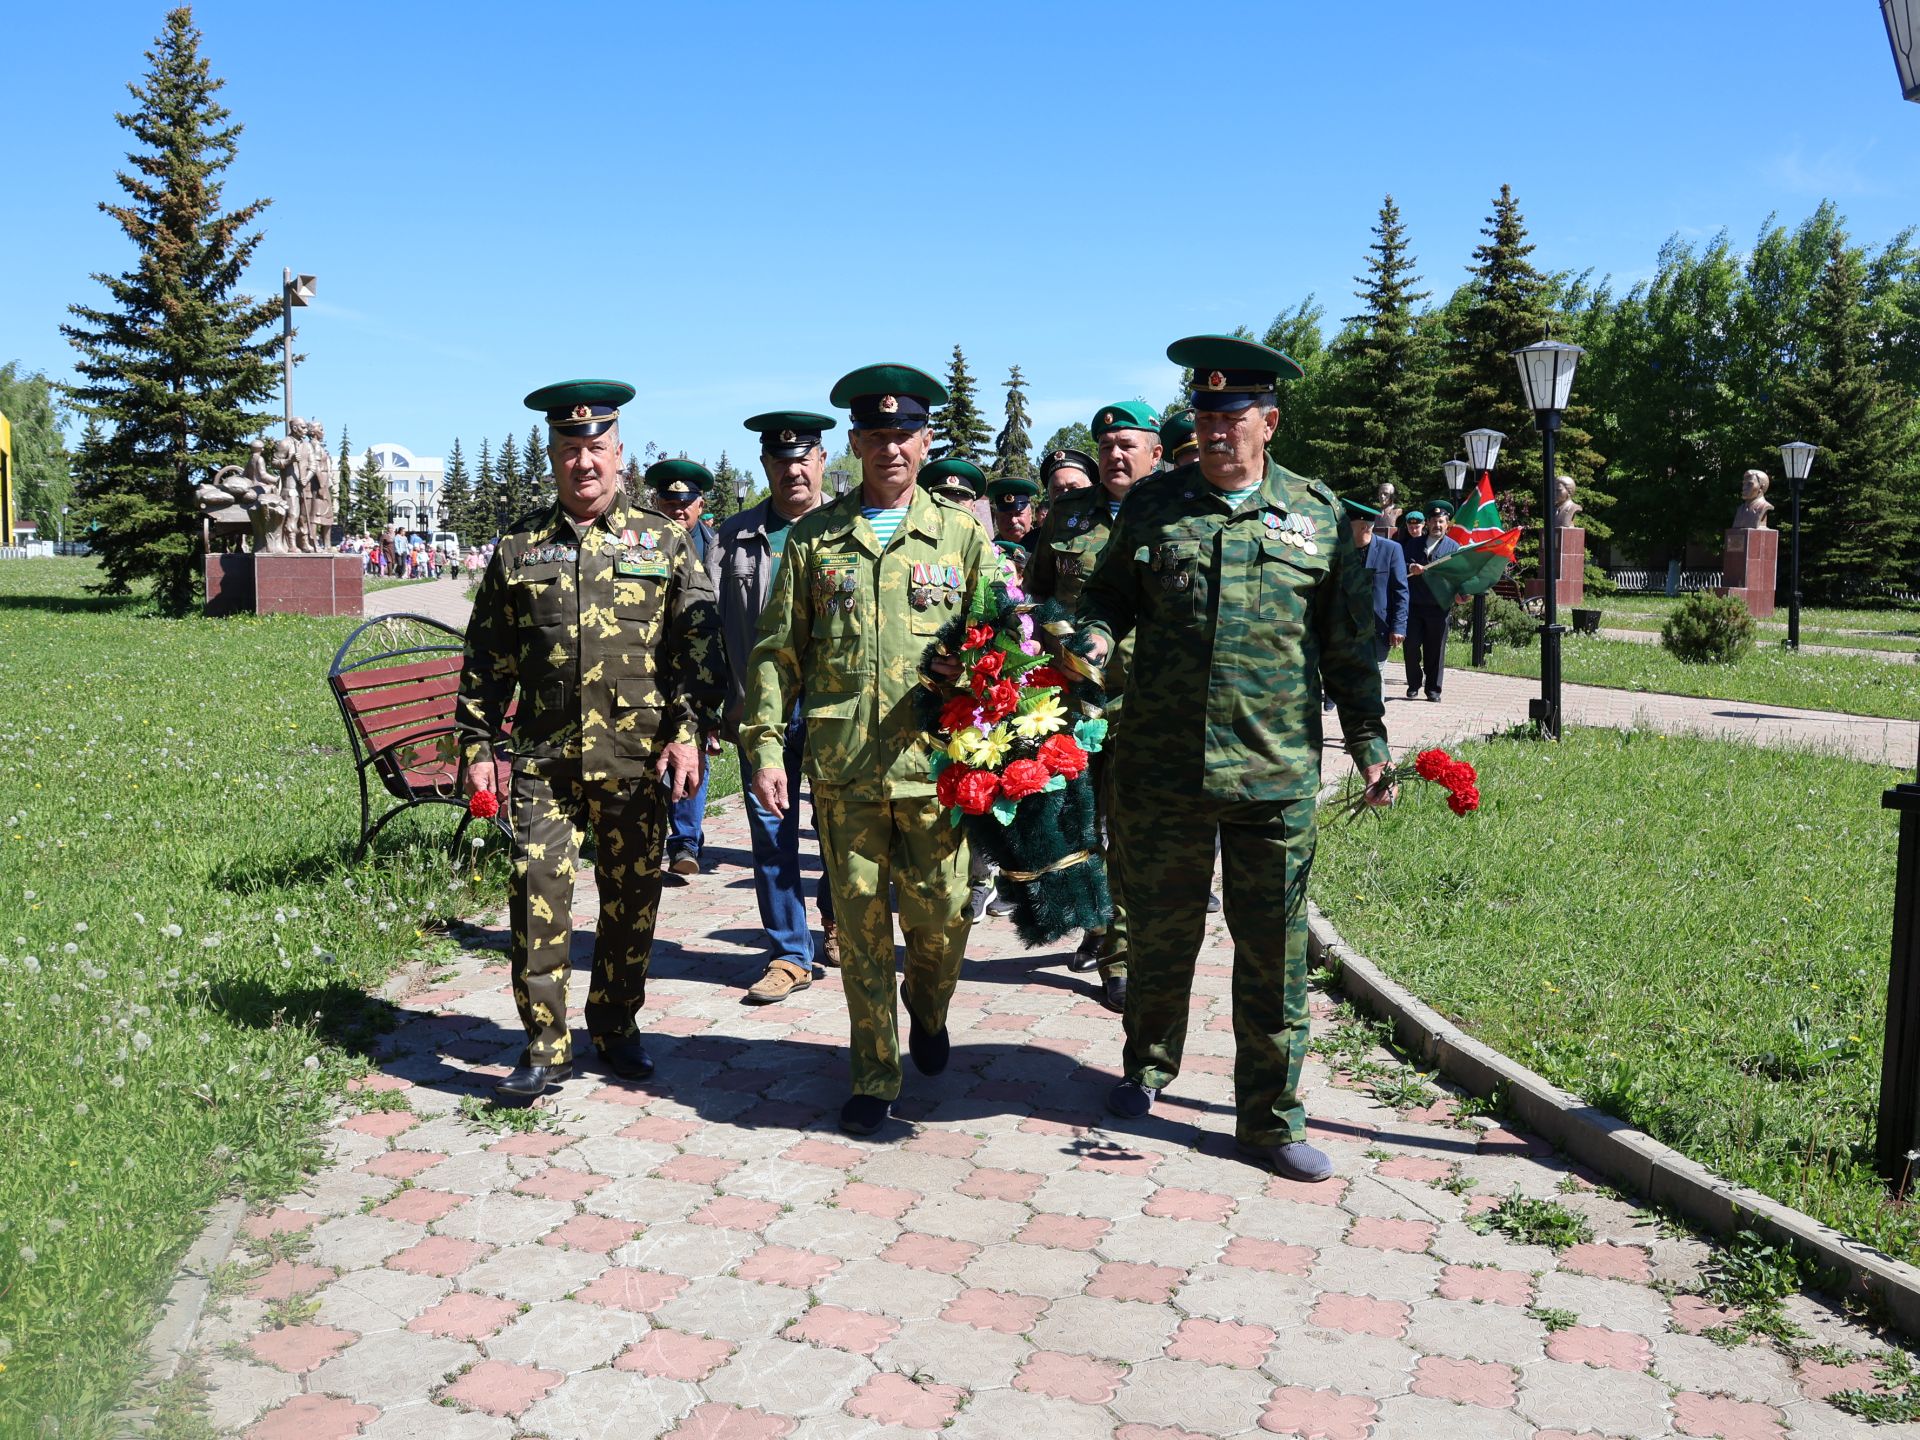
(742, 561)
(680, 490)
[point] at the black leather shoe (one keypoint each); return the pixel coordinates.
(929, 1048)
(527, 1081)
(1129, 1100)
(1088, 954)
(626, 1057)
(864, 1114)
(1113, 993)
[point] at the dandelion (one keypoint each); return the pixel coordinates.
(119, 1082)
(54, 1227)
(28, 1255)
(80, 1108)
(32, 964)
(142, 1042)
(80, 927)
(172, 932)
(28, 895)
(70, 948)
(209, 942)
(139, 919)
(312, 1062)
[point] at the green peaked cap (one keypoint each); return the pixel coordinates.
(1204, 354)
(1356, 511)
(682, 479)
(887, 379)
(1011, 485)
(787, 434)
(582, 408)
(1127, 415)
(1176, 431)
(953, 472)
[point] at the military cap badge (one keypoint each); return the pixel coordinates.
(889, 404)
(1106, 417)
(1216, 381)
(1058, 456)
(581, 412)
(786, 437)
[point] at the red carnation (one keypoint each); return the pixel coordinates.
(1000, 702)
(1431, 764)
(1063, 756)
(957, 713)
(1465, 799)
(483, 805)
(1023, 778)
(947, 788)
(977, 635)
(976, 791)
(1042, 676)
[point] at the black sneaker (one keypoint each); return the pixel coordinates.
(1129, 1100)
(864, 1114)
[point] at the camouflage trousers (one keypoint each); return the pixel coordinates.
(871, 847)
(552, 809)
(1113, 949)
(1266, 851)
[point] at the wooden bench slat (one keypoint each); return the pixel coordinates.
(386, 717)
(360, 701)
(352, 680)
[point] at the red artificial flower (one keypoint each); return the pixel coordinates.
(1063, 756)
(1023, 778)
(1043, 676)
(947, 788)
(1463, 800)
(1432, 764)
(483, 805)
(987, 669)
(1001, 701)
(976, 791)
(957, 713)
(977, 635)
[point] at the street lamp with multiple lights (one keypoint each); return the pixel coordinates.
(1546, 376)
(1456, 473)
(1797, 456)
(1483, 453)
(1903, 34)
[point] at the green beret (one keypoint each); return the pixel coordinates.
(1176, 431)
(952, 475)
(1069, 460)
(1356, 511)
(678, 479)
(1127, 415)
(1413, 515)
(580, 407)
(1004, 485)
(786, 434)
(1013, 548)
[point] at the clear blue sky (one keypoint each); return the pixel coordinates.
(730, 205)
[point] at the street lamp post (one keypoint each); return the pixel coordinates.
(1483, 451)
(1455, 472)
(1797, 456)
(62, 537)
(1903, 31)
(1546, 377)
(295, 290)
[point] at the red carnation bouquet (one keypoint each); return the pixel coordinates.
(483, 805)
(1459, 779)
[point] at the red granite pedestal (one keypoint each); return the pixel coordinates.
(284, 584)
(1572, 586)
(1751, 565)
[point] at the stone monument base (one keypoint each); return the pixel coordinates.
(284, 584)
(1751, 565)
(1572, 586)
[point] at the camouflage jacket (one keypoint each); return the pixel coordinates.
(1066, 547)
(608, 630)
(1237, 627)
(847, 624)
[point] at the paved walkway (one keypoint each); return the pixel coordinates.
(1891, 657)
(442, 600)
(703, 1255)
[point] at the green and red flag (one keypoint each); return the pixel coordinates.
(1484, 554)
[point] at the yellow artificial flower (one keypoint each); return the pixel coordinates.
(993, 749)
(966, 745)
(1046, 716)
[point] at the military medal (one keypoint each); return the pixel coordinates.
(647, 542)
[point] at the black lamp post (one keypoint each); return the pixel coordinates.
(1483, 452)
(1797, 456)
(1546, 377)
(1903, 33)
(1455, 472)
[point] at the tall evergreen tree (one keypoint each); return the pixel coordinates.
(347, 503)
(958, 424)
(176, 360)
(1013, 448)
(509, 481)
(485, 511)
(722, 500)
(1380, 416)
(633, 476)
(456, 494)
(370, 495)
(42, 470)
(536, 485)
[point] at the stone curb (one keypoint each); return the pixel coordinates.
(1630, 1158)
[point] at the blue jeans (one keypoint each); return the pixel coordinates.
(776, 860)
(686, 818)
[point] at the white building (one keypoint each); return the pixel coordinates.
(414, 483)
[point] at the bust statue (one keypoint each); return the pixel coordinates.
(1383, 501)
(1754, 505)
(1564, 508)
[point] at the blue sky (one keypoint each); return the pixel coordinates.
(730, 205)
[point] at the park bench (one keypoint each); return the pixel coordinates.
(395, 679)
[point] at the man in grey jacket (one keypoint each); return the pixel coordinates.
(742, 561)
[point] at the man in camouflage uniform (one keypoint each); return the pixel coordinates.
(597, 613)
(1065, 547)
(1244, 595)
(864, 585)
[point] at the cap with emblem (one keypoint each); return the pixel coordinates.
(1007, 487)
(889, 397)
(789, 434)
(1012, 548)
(1230, 373)
(678, 479)
(582, 408)
(1070, 459)
(959, 479)
(1356, 511)
(1127, 415)
(1176, 433)
(1441, 507)
(1413, 515)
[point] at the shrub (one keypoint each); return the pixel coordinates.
(1708, 629)
(1509, 624)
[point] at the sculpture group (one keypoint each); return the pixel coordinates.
(283, 506)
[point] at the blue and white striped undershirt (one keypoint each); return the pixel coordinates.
(886, 523)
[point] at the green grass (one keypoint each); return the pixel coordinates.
(1887, 627)
(1767, 676)
(1691, 934)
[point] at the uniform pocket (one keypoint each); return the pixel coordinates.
(833, 723)
(1173, 575)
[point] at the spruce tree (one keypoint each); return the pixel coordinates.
(721, 499)
(456, 495)
(347, 503)
(958, 424)
(633, 477)
(1380, 416)
(485, 510)
(370, 495)
(536, 485)
(175, 361)
(1013, 447)
(508, 480)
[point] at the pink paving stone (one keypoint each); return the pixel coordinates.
(714, 1421)
(1341, 1132)
(1070, 1377)
(930, 1252)
(384, 1123)
(1727, 1418)
(736, 1212)
(669, 1355)
(783, 1265)
(401, 1164)
(1481, 1204)
(277, 1221)
(678, 1025)
(1601, 1348)
(1119, 1162)
(986, 1183)
(598, 1233)
(1500, 1287)
(464, 1316)
(823, 1152)
(284, 1279)
(1251, 1254)
(624, 1092)
(378, 1082)
(534, 1144)
(1005, 1022)
(314, 1417)
(844, 1329)
(1361, 1315)
(1047, 1125)
(1694, 1313)
(1174, 1204)
(1306, 1192)
(893, 1399)
(1207, 1064)
(1318, 1414)
(1609, 1262)
(999, 1310)
(1440, 1112)
(624, 1289)
(886, 1201)
(1499, 1141)
(1155, 1432)
(441, 1255)
(1066, 1232)
(1121, 1280)
(297, 1349)
(500, 1388)
(698, 1169)
(1377, 1232)
(661, 1129)
(556, 1182)
(1570, 1435)
(1819, 1381)
(1464, 1382)
(1220, 1342)
(950, 1143)
(420, 1206)
(1415, 1167)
